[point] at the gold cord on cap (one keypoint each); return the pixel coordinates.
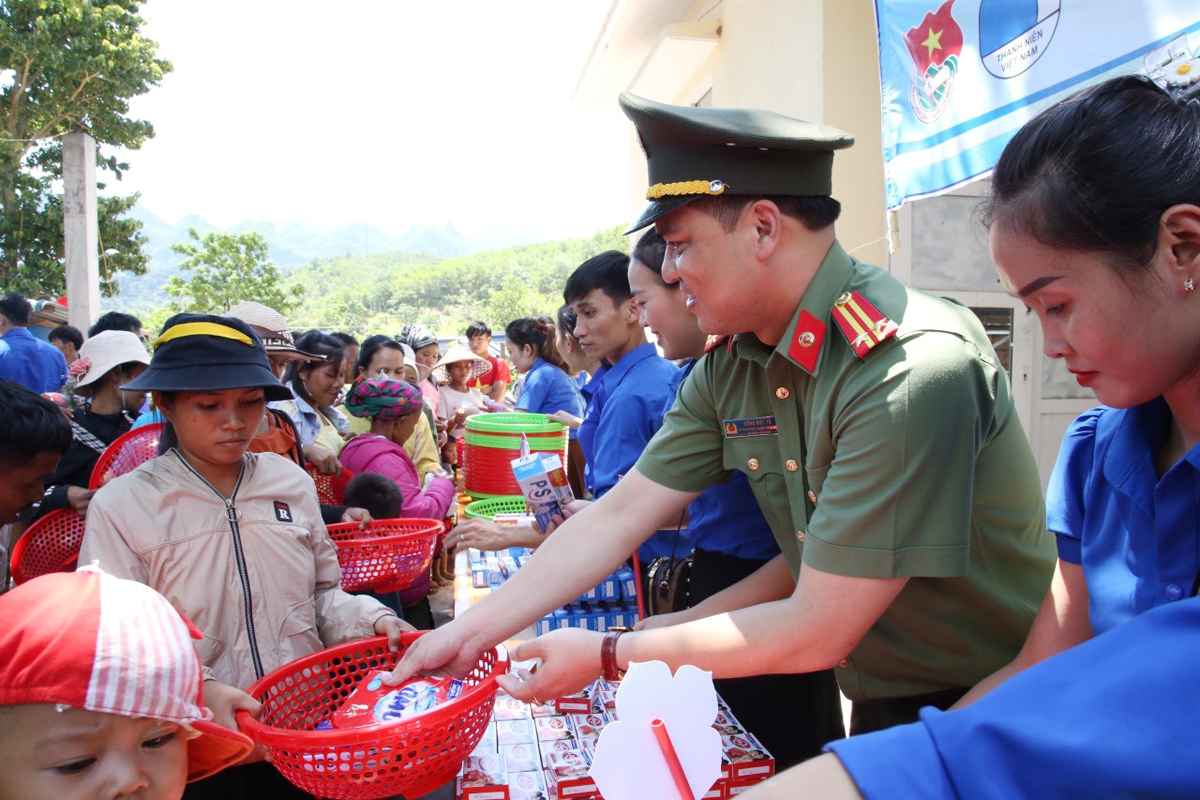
(684, 187)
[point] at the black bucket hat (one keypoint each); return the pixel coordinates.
(204, 352)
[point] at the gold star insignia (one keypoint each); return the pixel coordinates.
(933, 41)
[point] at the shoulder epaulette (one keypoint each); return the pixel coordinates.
(861, 323)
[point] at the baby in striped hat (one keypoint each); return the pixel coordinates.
(100, 693)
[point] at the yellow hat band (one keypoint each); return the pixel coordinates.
(684, 187)
(202, 329)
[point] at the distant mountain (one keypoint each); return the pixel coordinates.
(294, 245)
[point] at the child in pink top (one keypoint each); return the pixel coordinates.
(394, 408)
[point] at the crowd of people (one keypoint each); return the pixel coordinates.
(838, 455)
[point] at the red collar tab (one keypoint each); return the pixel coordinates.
(806, 341)
(714, 341)
(861, 323)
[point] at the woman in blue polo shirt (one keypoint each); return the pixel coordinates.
(548, 388)
(1095, 225)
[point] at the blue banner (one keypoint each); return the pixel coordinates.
(959, 77)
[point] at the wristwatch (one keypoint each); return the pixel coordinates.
(608, 655)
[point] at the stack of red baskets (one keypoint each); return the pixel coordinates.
(492, 441)
(127, 452)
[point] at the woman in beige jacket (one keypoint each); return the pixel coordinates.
(233, 539)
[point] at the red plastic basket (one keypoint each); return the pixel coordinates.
(49, 545)
(127, 452)
(412, 757)
(331, 489)
(387, 555)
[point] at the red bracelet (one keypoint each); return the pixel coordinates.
(608, 655)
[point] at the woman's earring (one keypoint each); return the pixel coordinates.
(1189, 285)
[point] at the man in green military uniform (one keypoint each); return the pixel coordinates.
(875, 425)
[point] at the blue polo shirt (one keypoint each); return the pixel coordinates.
(1113, 717)
(726, 518)
(1135, 534)
(549, 389)
(623, 414)
(29, 361)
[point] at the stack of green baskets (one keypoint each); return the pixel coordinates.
(492, 441)
(489, 507)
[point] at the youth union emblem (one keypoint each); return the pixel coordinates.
(1013, 34)
(935, 46)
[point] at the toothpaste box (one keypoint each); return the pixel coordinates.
(726, 725)
(567, 775)
(588, 725)
(546, 709)
(552, 728)
(515, 731)
(556, 746)
(747, 757)
(522, 757)
(543, 482)
(526, 786)
(508, 707)
(484, 778)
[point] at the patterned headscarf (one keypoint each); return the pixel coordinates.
(383, 398)
(416, 336)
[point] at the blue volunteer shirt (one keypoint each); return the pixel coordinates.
(29, 361)
(1136, 535)
(726, 518)
(548, 389)
(1113, 717)
(623, 414)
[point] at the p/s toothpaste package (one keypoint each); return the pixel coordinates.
(373, 702)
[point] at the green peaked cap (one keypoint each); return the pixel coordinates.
(693, 152)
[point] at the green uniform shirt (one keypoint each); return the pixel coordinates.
(908, 462)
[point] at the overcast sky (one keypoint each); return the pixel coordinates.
(381, 111)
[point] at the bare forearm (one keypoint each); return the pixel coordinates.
(822, 777)
(764, 639)
(772, 581)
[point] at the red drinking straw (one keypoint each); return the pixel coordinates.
(668, 751)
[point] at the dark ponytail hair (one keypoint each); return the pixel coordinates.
(317, 343)
(169, 438)
(650, 251)
(370, 346)
(1096, 171)
(539, 334)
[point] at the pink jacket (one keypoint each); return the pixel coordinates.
(371, 452)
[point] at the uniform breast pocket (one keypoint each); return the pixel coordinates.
(758, 458)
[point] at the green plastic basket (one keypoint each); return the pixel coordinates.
(512, 423)
(488, 508)
(552, 444)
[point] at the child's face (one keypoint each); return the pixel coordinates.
(22, 486)
(86, 755)
(215, 428)
(460, 372)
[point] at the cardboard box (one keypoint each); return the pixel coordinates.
(526, 786)
(484, 778)
(747, 758)
(566, 774)
(522, 757)
(553, 728)
(515, 731)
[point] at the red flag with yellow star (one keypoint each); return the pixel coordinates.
(933, 41)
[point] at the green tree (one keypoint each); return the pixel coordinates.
(67, 65)
(228, 268)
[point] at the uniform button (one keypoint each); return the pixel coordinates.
(800, 535)
(782, 393)
(812, 496)
(844, 663)
(1174, 591)
(791, 465)
(752, 463)
(843, 299)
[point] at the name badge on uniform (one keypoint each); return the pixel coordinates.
(751, 426)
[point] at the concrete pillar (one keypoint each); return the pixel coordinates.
(81, 230)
